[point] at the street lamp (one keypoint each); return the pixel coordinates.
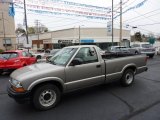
(134, 27)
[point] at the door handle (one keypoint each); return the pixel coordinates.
(98, 66)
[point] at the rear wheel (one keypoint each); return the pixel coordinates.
(150, 56)
(127, 78)
(46, 97)
(136, 52)
(39, 57)
(1, 71)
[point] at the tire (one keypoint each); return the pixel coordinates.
(39, 57)
(127, 78)
(150, 56)
(136, 52)
(46, 97)
(1, 71)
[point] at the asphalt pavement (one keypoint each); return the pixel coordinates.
(141, 101)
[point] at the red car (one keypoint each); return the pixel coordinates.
(11, 60)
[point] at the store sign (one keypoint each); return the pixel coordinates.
(87, 41)
(46, 41)
(65, 41)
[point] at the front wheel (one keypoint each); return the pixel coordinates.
(127, 78)
(46, 97)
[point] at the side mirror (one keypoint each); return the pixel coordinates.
(48, 58)
(76, 61)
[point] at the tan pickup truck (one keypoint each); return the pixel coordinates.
(72, 68)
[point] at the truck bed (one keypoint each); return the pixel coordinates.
(112, 56)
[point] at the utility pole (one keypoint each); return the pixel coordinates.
(37, 24)
(25, 18)
(79, 29)
(112, 24)
(120, 37)
(4, 32)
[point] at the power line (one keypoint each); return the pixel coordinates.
(126, 5)
(141, 15)
(149, 24)
(145, 16)
(142, 18)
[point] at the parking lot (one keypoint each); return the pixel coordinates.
(141, 101)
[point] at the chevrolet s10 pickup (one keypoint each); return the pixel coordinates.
(71, 68)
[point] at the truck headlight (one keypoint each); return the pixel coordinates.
(17, 86)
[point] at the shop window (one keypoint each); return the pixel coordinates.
(7, 42)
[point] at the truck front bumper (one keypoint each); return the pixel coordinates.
(19, 97)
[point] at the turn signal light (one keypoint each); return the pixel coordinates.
(18, 89)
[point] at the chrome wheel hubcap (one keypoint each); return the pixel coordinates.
(129, 78)
(47, 98)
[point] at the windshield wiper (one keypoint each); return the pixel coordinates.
(4, 57)
(52, 62)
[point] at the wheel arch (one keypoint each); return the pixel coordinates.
(38, 83)
(130, 66)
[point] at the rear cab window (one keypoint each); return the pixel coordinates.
(87, 55)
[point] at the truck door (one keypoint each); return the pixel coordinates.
(89, 72)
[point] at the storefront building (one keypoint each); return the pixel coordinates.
(76, 36)
(88, 36)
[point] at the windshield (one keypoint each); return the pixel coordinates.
(63, 56)
(146, 45)
(54, 51)
(1, 57)
(9, 55)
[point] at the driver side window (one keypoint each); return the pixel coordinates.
(87, 55)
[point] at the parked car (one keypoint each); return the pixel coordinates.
(52, 53)
(123, 49)
(11, 60)
(40, 53)
(72, 68)
(158, 51)
(144, 48)
(117, 51)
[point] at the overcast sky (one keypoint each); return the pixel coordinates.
(146, 18)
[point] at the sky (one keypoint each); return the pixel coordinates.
(146, 18)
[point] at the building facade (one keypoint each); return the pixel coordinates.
(75, 36)
(83, 36)
(7, 28)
